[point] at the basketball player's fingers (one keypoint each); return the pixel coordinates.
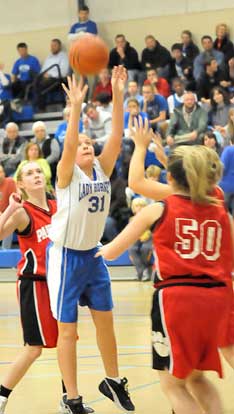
(146, 125)
(84, 90)
(140, 120)
(74, 80)
(136, 124)
(98, 254)
(65, 89)
(81, 82)
(69, 82)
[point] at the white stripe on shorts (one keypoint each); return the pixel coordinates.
(54, 276)
(37, 313)
(171, 363)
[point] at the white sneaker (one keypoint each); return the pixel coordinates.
(64, 408)
(3, 403)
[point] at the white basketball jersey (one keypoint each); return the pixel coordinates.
(82, 210)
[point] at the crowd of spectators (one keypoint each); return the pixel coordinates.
(186, 93)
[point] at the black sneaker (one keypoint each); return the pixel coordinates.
(118, 393)
(74, 406)
(64, 409)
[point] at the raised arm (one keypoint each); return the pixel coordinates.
(132, 232)
(76, 93)
(14, 217)
(112, 146)
(136, 178)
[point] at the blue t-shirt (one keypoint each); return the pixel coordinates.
(157, 105)
(61, 132)
(87, 27)
(127, 114)
(26, 68)
(227, 158)
(5, 91)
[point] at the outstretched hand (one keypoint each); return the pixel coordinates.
(141, 134)
(15, 201)
(159, 150)
(76, 91)
(118, 78)
(106, 252)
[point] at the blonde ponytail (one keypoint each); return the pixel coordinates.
(200, 169)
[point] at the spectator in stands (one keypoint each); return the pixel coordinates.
(228, 131)
(62, 128)
(177, 98)
(220, 106)
(189, 49)
(5, 96)
(97, 125)
(154, 105)
(24, 71)
(7, 187)
(212, 76)
(222, 42)
(140, 252)
(12, 148)
(208, 53)
(84, 25)
(103, 84)
(161, 84)
(104, 102)
(49, 146)
(133, 92)
(155, 56)
(132, 112)
(119, 212)
(227, 181)
(188, 123)
(33, 152)
(210, 141)
(124, 54)
(181, 67)
(51, 79)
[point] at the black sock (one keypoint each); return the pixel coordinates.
(5, 392)
(64, 388)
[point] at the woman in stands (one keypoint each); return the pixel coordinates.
(31, 220)
(192, 237)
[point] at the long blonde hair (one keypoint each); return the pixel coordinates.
(196, 170)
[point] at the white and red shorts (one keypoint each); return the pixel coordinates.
(186, 322)
(38, 323)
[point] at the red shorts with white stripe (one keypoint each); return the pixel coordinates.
(185, 328)
(39, 326)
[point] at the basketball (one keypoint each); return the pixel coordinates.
(88, 54)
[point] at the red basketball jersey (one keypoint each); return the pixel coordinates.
(193, 239)
(34, 239)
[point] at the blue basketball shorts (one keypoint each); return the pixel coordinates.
(76, 277)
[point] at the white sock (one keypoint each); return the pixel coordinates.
(117, 379)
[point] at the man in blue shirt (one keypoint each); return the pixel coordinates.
(24, 71)
(84, 25)
(154, 105)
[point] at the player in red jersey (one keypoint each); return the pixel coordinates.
(30, 219)
(192, 237)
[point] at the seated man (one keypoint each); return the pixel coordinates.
(24, 71)
(50, 80)
(124, 54)
(177, 98)
(84, 25)
(154, 105)
(208, 53)
(155, 56)
(97, 125)
(181, 67)
(12, 148)
(188, 123)
(212, 76)
(189, 49)
(161, 84)
(133, 92)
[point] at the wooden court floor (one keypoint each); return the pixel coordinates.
(39, 391)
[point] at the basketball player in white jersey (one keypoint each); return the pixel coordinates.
(75, 276)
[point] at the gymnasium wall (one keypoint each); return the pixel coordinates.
(37, 22)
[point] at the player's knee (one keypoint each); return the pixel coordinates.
(67, 333)
(34, 352)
